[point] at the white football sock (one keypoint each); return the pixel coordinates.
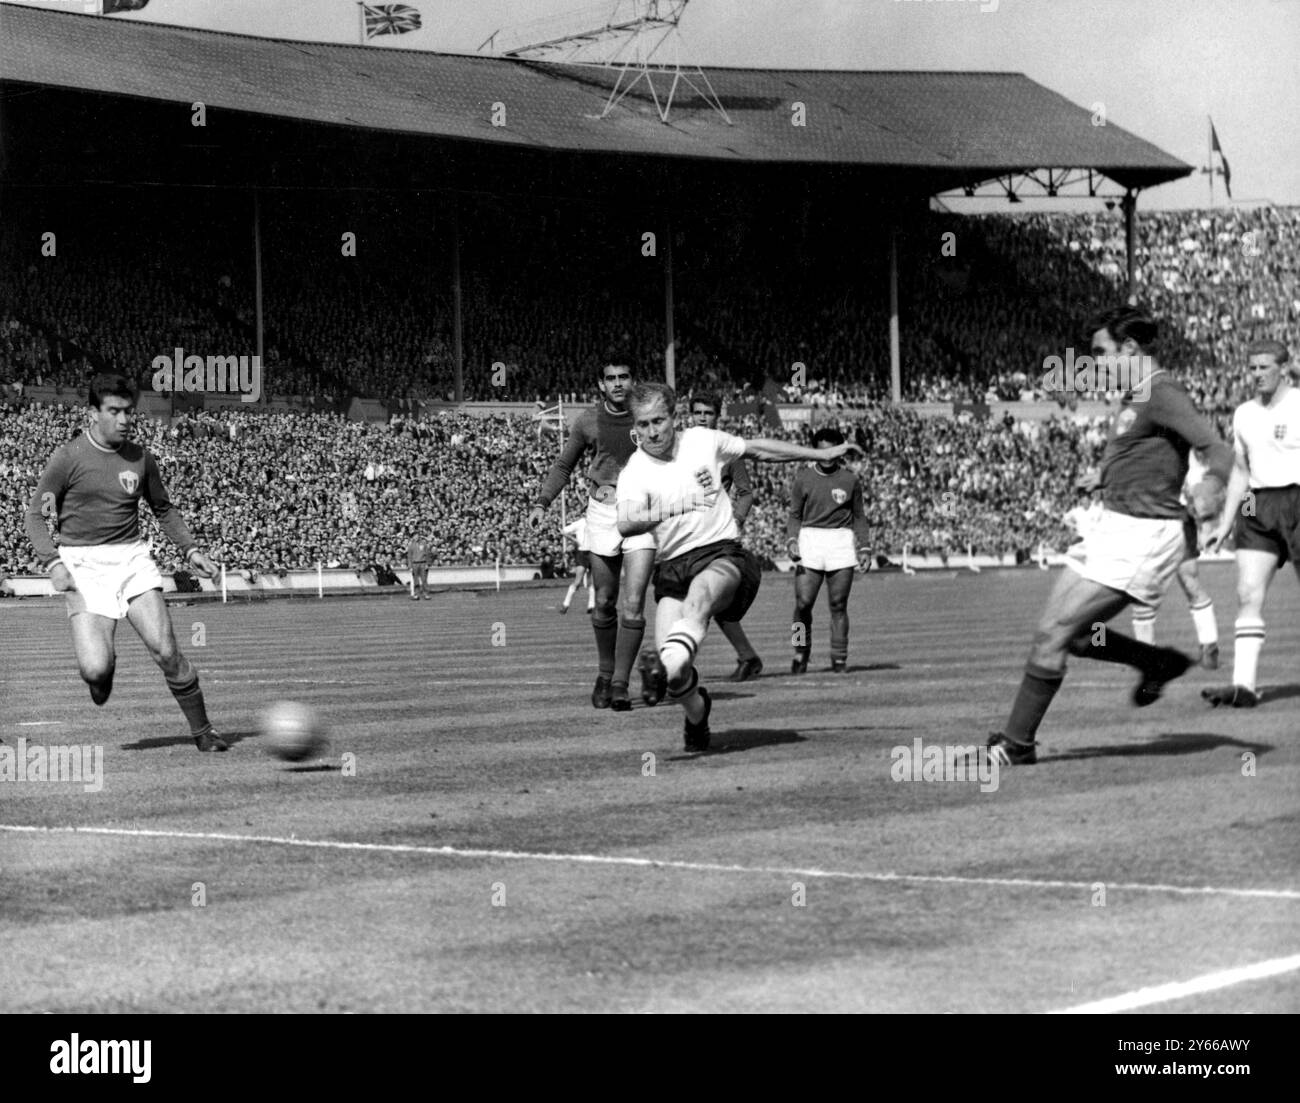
(1247, 645)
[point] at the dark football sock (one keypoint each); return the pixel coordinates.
(1037, 688)
(185, 688)
(630, 635)
(606, 628)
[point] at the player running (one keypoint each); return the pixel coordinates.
(91, 489)
(607, 431)
(1263, 501)
(827, 530)
(1135, 547)
(705, 411)
(417, 558)
(672, 487)
(577, 532)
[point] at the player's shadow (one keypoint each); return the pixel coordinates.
(860, 668)
(313, 768)
(729, 695)
(182, 741)
(1173, 743)
(738, 740)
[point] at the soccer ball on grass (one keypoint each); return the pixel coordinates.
(292, 732)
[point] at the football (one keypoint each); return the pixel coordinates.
(292, 732)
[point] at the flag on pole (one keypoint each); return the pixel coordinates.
(1216, 148)
(112, 7)
(390, 19)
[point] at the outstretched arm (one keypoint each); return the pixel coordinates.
(780, 451)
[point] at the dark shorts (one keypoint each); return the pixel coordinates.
(1275, 524)
(582, 559)
(673, 577)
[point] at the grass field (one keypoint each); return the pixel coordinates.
(503, 846)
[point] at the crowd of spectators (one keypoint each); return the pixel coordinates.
(984, 301)
(275, 492)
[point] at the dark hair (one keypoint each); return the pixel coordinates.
(1267, 347)
(111, 383)
(708, 398)
(600, 373)
(829, 434)
(643, 394)
(1125, 322)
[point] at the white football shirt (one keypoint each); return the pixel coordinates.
(699, 455)
(1268, 439)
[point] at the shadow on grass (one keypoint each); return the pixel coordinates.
(1173, 743)
(743, 739)
(312, 768)
(1269, 694)
(182, 741)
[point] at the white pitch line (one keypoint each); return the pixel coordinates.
(1163, 993)
(36, 723)
(652, 863)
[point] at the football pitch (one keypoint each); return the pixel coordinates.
(478, 838)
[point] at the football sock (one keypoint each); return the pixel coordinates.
(678, 653)
(839, 635)
(568, 597)
(631, 633)
(1037, 688)
(185, 688)
(688, 696)
(1144, 624)
(1207, 628)
(605, 625)
(801, 635)
(1248, 643)
(591, 600)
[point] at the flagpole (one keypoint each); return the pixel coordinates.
(361, 11)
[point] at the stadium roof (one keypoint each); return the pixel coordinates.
(948, 127)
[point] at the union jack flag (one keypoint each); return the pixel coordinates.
(390, 19)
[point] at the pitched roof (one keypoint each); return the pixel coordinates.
(970, 124)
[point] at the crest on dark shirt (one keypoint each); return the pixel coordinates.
(130, 481)
(1124, 420)
(840, 496)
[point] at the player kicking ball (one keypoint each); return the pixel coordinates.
(672, 487)
(1263, 501)
(1134, 549)
(91, 489)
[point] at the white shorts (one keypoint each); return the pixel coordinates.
(603, 537)
(827, 549)
(108, 576)
(1138, 555)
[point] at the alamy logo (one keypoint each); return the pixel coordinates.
(90, 1056)
(57, 763)
(939, 762)
(130, 481)
(1098, 374)
(183, 374)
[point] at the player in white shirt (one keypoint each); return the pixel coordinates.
(1263, 501)
(672, 487)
